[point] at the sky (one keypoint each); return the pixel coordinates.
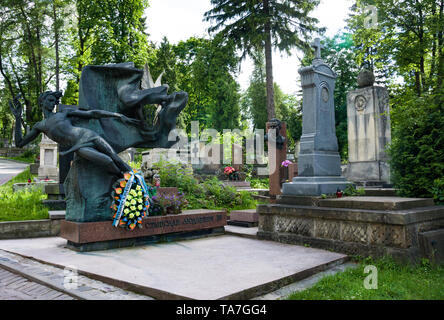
(179, 20)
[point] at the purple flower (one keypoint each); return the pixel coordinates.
(286, 163)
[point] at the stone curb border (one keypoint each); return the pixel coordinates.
(29, 229)
(15, 268)
(48, 279)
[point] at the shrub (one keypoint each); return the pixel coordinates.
(438, 191)
(210, 194)
(417, 148)
(163, 204)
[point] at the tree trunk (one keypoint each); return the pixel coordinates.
(440, 73)
(56, 36)
(269, 66)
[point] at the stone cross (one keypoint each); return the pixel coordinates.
(317, 46)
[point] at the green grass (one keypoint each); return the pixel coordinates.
(21, 205)
(395, 282)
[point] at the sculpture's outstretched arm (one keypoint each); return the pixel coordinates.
(99, 114)
(16, 109)
(19, 141)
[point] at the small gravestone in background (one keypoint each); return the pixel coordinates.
(48, 160)
(277, 153)
(368, 132)
(319, 163)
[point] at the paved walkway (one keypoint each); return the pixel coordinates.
(15, 287)
(9, 169)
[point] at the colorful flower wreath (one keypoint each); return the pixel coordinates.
(131, 201)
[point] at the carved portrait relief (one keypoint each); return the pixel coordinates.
(360, 103)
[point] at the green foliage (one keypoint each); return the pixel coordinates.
(257, 26)
(30, 33)
(417, 148)
(438, 191)
(104, 32)
(407, 42)
(351, 190)
(203, 68)
(254, 104)
(245, 22)
(262, 183)
(24, 204)
(339, 54)
(210, 194)
(395, 282)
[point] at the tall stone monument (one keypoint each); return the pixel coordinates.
(319, 162)
(368, 132)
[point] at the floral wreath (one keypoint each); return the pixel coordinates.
(131, 200)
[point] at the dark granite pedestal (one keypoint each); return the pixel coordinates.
(191, 224)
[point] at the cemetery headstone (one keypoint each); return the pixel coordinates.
(319, 163)
(368, 132)
(48, 160)
(277, 153)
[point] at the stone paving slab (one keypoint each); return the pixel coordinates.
(16, 287)
(223, 267)
(46, 282)
(242, 231)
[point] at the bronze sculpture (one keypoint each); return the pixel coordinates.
(108, 119)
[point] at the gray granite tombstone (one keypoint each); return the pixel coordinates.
(319, 163)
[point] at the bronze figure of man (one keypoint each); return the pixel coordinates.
(59, 127)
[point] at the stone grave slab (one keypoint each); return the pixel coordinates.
(244, 218)
(222, 267)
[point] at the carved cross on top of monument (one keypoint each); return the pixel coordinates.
(316, 44)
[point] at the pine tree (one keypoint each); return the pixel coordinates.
(262, 25)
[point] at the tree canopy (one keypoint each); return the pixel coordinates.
(260, 25)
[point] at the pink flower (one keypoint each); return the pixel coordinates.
(286, 163)
(229, 170)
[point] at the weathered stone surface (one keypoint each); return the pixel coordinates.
(57, 214)
(29, 229)
(432, 245)
(88, 192)
(48, 159)
(369, 133)
(380, 192)
(376, 203)
(319, 163)
(366, 78)
(314, 186)
(374, 226)
(248, 215)
(237, 184)
(233, 268)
